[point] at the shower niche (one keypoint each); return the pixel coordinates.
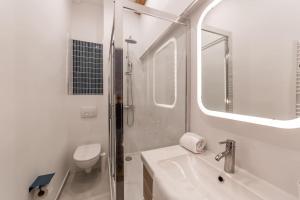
(165, 75)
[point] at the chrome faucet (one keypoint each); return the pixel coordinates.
(229, 155)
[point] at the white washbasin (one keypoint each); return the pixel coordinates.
(194, 178)
(180, 175)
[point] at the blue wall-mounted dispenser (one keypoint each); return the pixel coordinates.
(38, 187)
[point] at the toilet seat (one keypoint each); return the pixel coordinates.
(87, 152)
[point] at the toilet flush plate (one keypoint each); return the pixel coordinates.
(88, 112)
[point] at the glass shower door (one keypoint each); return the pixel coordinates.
(148, 91)
(116, 123)
(157, 68)
(111, 121)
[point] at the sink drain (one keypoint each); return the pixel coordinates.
(128, 158)
(221, 179)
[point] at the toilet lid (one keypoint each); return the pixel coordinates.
(87, 152)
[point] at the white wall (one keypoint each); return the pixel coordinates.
(7, 128)
(40, 122)
(87, 24)
(33, 129)
(87, 21)
(269, 153)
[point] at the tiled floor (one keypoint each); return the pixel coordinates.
(133, 177)
(95, 186)
(81, 186)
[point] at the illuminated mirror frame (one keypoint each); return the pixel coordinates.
(286, 124)
(170, 41)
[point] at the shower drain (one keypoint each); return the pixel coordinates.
(128, 158)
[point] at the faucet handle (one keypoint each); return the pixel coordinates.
(232, 142)
(223, 142)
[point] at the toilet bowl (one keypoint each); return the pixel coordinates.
(86, 156)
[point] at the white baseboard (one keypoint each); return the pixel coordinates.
(62, 185)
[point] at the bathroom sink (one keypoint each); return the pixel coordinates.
(180, 175)
(193, 178)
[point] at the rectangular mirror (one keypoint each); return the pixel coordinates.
(250, 60)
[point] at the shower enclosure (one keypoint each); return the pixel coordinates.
(148, 101)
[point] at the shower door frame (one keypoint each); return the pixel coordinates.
(116, 102)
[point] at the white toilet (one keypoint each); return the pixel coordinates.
(86, 156)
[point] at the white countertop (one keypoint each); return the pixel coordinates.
(259, 186)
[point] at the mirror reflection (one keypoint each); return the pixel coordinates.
(250, 58)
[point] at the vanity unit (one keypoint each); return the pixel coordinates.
(147, 184)
(176, 174)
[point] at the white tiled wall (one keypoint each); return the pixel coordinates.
(155, 126)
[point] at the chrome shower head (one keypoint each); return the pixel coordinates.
(130, 40)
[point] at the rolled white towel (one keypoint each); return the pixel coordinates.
(193, 142)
